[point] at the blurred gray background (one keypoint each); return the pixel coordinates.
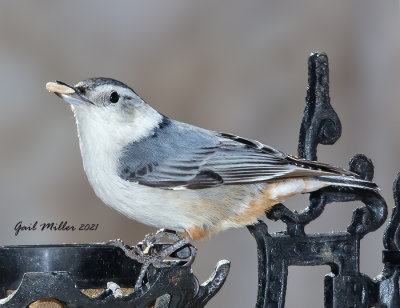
(232, 66)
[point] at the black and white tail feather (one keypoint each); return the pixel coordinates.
(347, 181)
(335, 176)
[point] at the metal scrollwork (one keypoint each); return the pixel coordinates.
(345, 286)
(61, 272)
(320, 124)
(388, 283)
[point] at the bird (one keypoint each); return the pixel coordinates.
(170, 174)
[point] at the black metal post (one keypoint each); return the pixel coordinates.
(345, 286)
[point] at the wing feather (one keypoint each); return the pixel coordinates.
(223, 159)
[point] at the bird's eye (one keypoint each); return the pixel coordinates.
(114, 97)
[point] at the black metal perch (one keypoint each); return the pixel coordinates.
(61, 271)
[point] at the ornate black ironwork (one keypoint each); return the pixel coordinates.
(345, 286)
(388, 283)
(61, 271)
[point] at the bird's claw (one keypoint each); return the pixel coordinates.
(153, 251)
(132, 252)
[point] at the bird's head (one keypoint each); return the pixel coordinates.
(109, 104)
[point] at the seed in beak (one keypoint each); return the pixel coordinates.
(59, 88)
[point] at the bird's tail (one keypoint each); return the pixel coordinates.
(332, 175)
(348, 181)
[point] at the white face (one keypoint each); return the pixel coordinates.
(110, 110)
(112, 101)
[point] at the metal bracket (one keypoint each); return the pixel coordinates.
(345, 286)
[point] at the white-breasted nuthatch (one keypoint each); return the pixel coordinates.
(170, 174)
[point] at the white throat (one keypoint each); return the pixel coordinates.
(108, 132)
(102, 136)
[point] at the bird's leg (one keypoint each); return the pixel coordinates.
(132, 252)
(153, 251)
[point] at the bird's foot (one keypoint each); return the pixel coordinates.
(158, 249)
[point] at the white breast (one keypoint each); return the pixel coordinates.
(174, 209)
(100, 148)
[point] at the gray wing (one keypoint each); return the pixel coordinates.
(189, 157)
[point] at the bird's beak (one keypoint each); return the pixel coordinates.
(68, 93)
